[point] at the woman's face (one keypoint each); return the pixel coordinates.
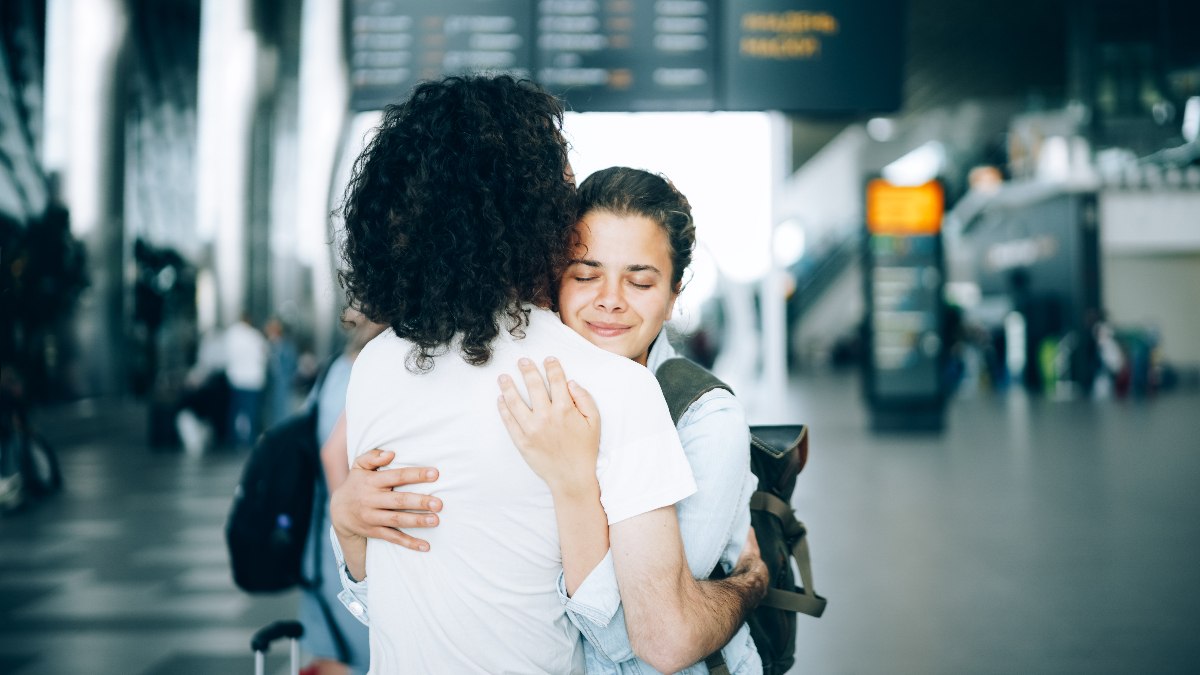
(617, 292)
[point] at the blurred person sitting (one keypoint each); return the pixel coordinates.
(204, 405)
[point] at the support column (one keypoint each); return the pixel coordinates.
(84, 143)
(224, 121)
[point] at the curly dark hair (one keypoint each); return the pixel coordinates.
(623, 191)
(459, 212)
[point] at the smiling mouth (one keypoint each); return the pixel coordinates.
(607, 329)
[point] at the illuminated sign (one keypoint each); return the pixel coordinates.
(904, 210)
(812, 55)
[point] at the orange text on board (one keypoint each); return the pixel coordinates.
(904, 210)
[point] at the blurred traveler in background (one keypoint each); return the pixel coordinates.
(203, 417)
(281, 370)
(246, 368)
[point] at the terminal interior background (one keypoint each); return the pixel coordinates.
(182, 161)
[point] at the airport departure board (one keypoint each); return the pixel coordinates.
(639, 55)
(396, 43)
(812, 55)
(628, 55)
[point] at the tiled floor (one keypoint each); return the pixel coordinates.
(1030, 537)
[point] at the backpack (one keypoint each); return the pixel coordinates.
(272, 506)
(777, 454)
(273, 510)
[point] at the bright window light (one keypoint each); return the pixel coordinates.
(789, 243)
(722, 162)
(917, 167)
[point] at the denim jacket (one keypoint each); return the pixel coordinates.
(713, 523)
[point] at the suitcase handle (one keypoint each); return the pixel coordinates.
(262, 640)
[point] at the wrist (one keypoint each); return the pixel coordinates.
(755, 576)
(580, 489)
(346, 535)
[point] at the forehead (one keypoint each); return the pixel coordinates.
(604, 234)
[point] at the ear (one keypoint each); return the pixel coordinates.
(671, 303)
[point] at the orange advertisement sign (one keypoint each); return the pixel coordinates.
(904, 210)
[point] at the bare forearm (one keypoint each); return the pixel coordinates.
(333, 455)
(720, 607)
(354, 548)
(673, 619)
(582, 533)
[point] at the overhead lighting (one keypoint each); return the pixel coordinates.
(788, 242)
(918, 166)
(881, 129)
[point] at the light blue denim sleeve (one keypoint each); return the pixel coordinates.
(354, 593)
(713, 522)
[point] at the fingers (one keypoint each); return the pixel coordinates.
(512, 405)
(375, 459)
(539, 395)
(400, 538)
(751, 549)
(584, 401)
(515, 432)
(408, 475)
(403, 501)
(557, 381)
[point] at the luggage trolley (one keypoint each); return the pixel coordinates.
(261, 643)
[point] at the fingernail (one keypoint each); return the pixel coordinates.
(431, 474)
(525, 362)
(430, 520)
(551, 359)
(435, 504)
(424, 547)
(503, 379)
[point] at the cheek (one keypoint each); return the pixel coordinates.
(657, 308)
(570, 298)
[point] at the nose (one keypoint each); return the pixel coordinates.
(610, 298)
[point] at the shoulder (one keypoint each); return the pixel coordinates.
(715, 427)
(587, 363)
(377, 358)
(716, 406)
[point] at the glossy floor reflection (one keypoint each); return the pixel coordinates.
(1030, 537)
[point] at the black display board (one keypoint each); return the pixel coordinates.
(393, 44)
(819, 56)
(628, 55)
(812, 55)
(903, 275)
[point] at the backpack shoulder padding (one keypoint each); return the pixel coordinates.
(683, 382)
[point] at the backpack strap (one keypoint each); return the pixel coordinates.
(805, 599)
(683, 382)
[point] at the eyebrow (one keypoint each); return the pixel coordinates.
(628, 268)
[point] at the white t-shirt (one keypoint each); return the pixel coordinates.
(484, 598)
(245, 356)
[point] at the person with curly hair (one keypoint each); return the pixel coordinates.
(458, 226)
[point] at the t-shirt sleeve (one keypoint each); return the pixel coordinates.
(641, 466)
